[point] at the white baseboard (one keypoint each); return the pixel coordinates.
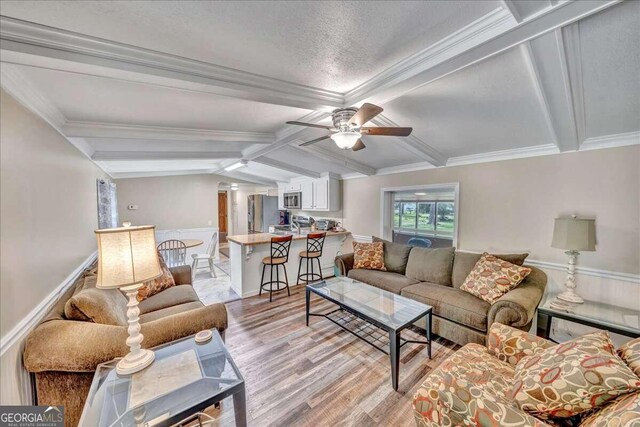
(16, 385)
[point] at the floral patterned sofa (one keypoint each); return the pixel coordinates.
(474, 386)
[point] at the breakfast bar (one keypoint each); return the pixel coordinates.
(246, 252)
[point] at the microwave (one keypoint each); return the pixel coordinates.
(293, 200)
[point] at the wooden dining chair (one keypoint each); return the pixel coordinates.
(209, 257)
(174, 252)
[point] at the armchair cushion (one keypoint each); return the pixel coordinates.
(511, 345)
(623, 411)
(471, 389)
(630, 353)
(572, 378)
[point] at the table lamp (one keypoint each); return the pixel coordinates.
(574, 234)
(127, 257)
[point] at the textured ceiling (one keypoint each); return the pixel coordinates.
(535, 94)
(329, 45)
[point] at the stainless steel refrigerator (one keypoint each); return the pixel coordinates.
(263, 212)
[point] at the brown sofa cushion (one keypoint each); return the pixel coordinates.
(396, 255)
(392, 282)
(169, 311)
(431, 265)
(175, 295)
(158, 284)
(465, 261)
(89, 304)
(450, 303)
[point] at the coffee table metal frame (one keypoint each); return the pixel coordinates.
(395, 339)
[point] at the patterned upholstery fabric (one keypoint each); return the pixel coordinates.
(630, 353)
(493, 277)
(511, 345)
(470, 388)
(369, 256)
(572, 378)
(622, 412)
(154, 286)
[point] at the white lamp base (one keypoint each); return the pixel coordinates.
(131, 364)
(570, 296)
(138, 358)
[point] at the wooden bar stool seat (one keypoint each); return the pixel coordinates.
(279, 257)
(315, 242)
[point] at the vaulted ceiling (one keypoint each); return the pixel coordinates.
(176, 87)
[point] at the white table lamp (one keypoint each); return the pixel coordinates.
(127, 257)
(574, 234)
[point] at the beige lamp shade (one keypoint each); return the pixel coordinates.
(127, 256)
(574, 234)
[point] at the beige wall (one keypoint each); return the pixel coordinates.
(48, 210)
(510, 205)
(170, 202)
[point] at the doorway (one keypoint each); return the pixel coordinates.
(222, 216)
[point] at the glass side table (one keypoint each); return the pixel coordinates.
(619, 320)
(185, 379)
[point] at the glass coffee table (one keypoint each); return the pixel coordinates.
(372, 314)
(185, 379)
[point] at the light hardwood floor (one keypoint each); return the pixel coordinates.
(319, 375)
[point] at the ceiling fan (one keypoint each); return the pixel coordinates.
(348, 127)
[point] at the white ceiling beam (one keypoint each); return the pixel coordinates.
(413, 144)
(548, 55)
(511, 7)
(105, 156)
(28, 43)
(573, 56)
(124, 131)
(248, 178)
(559, 16)
(286, 167)
(336, 158)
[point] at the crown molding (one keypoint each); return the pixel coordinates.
(116, 130)
(611, 141)
(21, 40)
(111, 156)
(413, 144)
(127, 175)
(515, 153)
(286, 167)
(490, 25)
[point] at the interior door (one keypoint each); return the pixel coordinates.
(222, 212)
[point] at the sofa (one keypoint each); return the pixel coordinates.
(473, 387)
(434, 277)
(62, 353)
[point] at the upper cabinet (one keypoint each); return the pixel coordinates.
(321, 194)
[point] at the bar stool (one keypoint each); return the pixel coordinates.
(315, 241)
(279, 257)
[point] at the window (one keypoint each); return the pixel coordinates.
(421, 213)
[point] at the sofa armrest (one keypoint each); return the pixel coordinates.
(517, 307)
(344, 263)
(181, 274)
(511, 345)
(76, 346)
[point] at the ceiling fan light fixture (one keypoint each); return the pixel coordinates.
(346, 140)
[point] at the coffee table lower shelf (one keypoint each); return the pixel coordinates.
(383, 338)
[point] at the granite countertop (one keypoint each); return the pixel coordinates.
(262, 238)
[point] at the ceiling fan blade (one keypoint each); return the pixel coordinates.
(386, 131)
(359, 146)
(364, 114)
(313, 141)
(311, 125)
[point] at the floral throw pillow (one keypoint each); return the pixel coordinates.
(493, 277)
(572, 378)
(369, 256)
(154, 286)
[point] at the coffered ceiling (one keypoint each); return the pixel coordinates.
(174, 87)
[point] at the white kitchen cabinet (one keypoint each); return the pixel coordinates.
(308, 196)
(321, 194)
(293, 186)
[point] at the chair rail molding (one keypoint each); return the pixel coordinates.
(16, 382)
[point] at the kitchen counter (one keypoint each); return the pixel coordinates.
(246, 252)
(260, 238)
